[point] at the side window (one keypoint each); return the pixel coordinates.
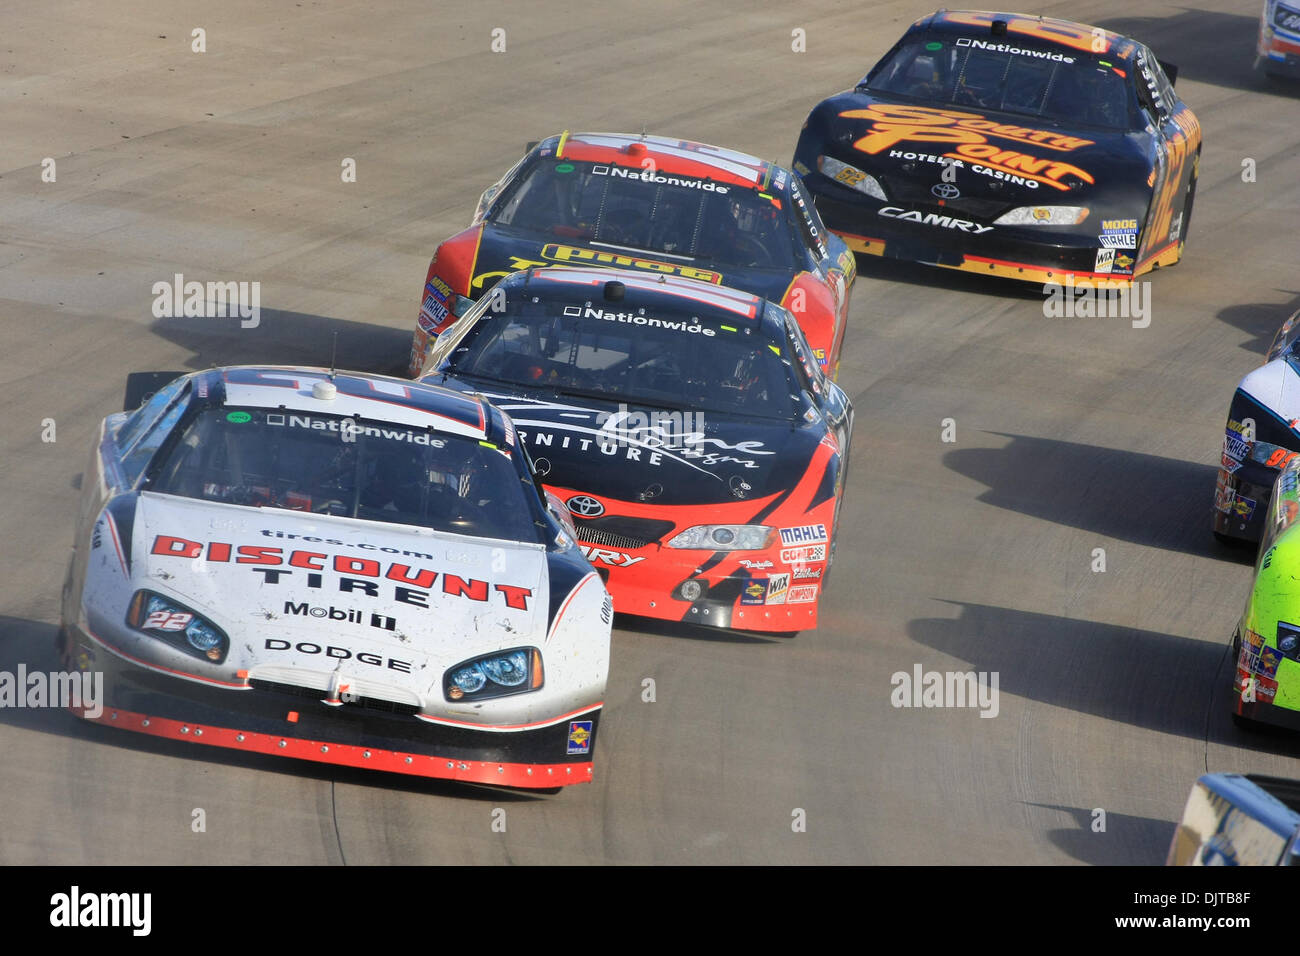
(136, 456)
(809, 223)
(1148, 85)
(139, 420)
(807, 368)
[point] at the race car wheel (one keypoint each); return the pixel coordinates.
(1188, 200)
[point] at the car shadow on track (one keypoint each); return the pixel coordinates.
(935, 277)
(1126, 840)
(290, 338)
(1259, 320)
(1207, 46)
(1146, 679)
(31, 643)
(1126, 495)
(650, 626)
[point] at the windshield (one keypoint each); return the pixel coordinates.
(379, 471)
(1007, 76)
(677, 217)
(670, 359)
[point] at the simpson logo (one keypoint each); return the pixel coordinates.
(806, 555)
(777, 586)
(969, 135)
(1018, 51)
(579, 737)
(803, 594)
(576, 255)
(804, 534)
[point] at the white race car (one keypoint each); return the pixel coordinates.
(346, 568)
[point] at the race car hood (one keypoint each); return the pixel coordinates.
(504, 250)
(1006, 157)
(303, 595)
(628, 453)
(1275, 387)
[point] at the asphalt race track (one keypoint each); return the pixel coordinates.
(977, 554)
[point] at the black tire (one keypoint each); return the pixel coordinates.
(1246, 724)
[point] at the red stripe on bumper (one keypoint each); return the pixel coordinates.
(419, 765)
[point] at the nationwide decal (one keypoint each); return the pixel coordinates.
(1059, 32)
(352, 430)
(816, 552)
(635, 318)
(650, 176)
(1017, 50)
(969, 134)
(933, 219)
(777, 586)
(802, 594)
(408, 583)
(804, 534)
(1119, 233)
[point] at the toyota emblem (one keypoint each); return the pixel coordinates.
(945, 190)
(585, 506)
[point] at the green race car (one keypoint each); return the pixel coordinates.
(1266, 687)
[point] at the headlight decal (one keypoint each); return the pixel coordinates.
(175, 624)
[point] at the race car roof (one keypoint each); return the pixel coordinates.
(1050, 32)
(642, 291)
(678, 156)
(372, 397)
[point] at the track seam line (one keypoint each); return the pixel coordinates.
(334, 813)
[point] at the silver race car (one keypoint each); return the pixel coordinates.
(345, 568)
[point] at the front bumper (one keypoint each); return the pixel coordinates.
(764, 596)
(1241, 501)
(1262, 708)
(295, 722)
(1049, 257)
